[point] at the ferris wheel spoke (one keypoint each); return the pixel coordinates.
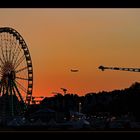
(16, 57)
(1, 73)
(3, 54)
(1, 67)
(21, 86)
(22, 78)
(21, 69)
(15, 53)
(5, 44)
(9, 55)
(1, 60)
(6, 51)
(10, 43)
(20, 60)
(18, 91)
(8, 46)
(13, 90)
(11, 48)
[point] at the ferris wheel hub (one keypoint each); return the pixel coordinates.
(8, 71)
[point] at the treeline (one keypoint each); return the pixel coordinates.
(117, 102)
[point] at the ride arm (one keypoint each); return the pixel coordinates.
(117, 68)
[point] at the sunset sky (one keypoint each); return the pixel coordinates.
(63, 39)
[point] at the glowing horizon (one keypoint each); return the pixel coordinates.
(63, 39)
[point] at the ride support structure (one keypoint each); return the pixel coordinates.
(118, 68)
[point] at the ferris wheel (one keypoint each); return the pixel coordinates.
(16, 71)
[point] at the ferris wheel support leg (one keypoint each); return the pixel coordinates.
(12, 103)
(25, 107)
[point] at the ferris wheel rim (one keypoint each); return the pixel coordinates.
(27, 56)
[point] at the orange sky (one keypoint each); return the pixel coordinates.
(64, 39)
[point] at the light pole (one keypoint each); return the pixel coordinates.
(79, 107)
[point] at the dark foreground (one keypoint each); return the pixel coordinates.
(64, 129)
